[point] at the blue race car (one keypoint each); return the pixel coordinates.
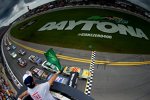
(38, 73)
(13, 47)
(22, 52)
(60, 79)
(43, 75)
(35, 59)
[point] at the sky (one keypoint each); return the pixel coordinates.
(12, 9)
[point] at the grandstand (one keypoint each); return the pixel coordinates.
(118, 4)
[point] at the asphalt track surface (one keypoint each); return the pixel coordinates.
(19, 71)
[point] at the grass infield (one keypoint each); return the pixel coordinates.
(70, 39)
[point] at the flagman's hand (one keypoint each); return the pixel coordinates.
(53, 78)
(58, 72)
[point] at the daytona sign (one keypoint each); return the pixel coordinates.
(106, 27)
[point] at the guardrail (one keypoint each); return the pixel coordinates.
(15, 80)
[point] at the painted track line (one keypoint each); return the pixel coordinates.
(85, 60)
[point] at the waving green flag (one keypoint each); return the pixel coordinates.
(52, 58)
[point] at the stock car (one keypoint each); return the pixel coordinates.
(42, 75)
(9, 43)
(83, 73)
(35, 59)
(8, 48)
(73, 79)
(60, 79)
(49, 66)
(38, 73)
(22, 52)
(70, 81)
(13, 47)
(22, 62)
(13, 54)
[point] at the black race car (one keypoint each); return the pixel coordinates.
(73, 79)
(22, 62)
(22, 52)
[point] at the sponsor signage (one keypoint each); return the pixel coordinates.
(106, 27)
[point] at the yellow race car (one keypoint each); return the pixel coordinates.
(83, 73)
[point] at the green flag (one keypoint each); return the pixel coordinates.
(52, 58)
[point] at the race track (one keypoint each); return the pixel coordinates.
(110, 81)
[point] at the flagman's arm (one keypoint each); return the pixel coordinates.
(53, 78)
(25, 93)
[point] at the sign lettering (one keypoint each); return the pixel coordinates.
(107, 27)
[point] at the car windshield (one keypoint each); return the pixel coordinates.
(36, 58)
(32, 57)
(38, 71)
(48, 64)
(20, 51)
(68, 69)
(53, 66)
(20, 60)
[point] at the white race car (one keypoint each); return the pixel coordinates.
(35, 59)
(49, 66)
(13, 54)
(8, 48)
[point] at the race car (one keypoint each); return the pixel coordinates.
(21, 62)
(49, 66)
(60, 79)
(8, 48)
(22, 52)
(35, 59)
(83, 73)
(42, 75)
(38, 73)
(73, 79)
(9, 43)
(13, 47)
(13, 54)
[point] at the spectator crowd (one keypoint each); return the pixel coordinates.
(5, 91)
(118, 4)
